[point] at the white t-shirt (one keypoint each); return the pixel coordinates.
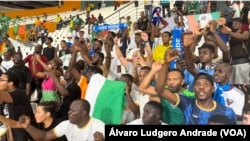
(74, 133)
(235, 99)
(143, 99)
(113, 75)
(237, 9)
(204, 19)
(132, 43)
(75, 34)
(7, 64)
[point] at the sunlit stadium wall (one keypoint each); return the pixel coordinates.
(67, 6)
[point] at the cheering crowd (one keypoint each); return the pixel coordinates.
(208, 87)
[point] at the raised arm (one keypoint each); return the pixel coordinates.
(136, 64)
(125, 34)
(135, 109)
(84, 52)
(45, 66)
(38, 74)
(145, 86)
(119, 53)
(187, 42)
(39, 135)
(9, 122)
(153, 31)
(60, 88)
(197, 33)
(108, 56)
(226, 56)
(239, 35)
(149, 59)
(72, 65)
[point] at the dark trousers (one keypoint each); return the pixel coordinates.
(37, 85)
(59, 26)
(166, 6)
(136, 3)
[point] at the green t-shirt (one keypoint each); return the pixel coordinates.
(173, 114)
(78, 21)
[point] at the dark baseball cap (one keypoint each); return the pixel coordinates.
(208, 77)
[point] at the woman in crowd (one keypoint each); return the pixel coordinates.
(45, 117)
(49, 92)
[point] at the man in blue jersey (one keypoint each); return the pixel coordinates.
(206, 55)
(207, 52)
(199, 110)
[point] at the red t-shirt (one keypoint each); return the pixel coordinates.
(39, 67)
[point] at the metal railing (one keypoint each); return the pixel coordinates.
(118, 11)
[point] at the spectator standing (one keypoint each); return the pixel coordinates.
(49, 51)
(165, 5)
(38, 24)
(244, 16)
(228, 13)
(78, 21)
(58, 21)
(143, 22)
(100, 19)
(148, 8)
(23, 72)
(37, 82)
(7, 61)
(64, 48)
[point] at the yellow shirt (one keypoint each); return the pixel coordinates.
(58, 19)
(159, 52)
(38, 23)
(71, 24)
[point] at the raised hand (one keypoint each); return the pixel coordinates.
(136, 60)
(171, 55)
(156, 66)
(213, 25)
(188, 39)
(181, 64)
(77, 47)
(141, 59)
(144, 36)
(221, 21)
(38, 57)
